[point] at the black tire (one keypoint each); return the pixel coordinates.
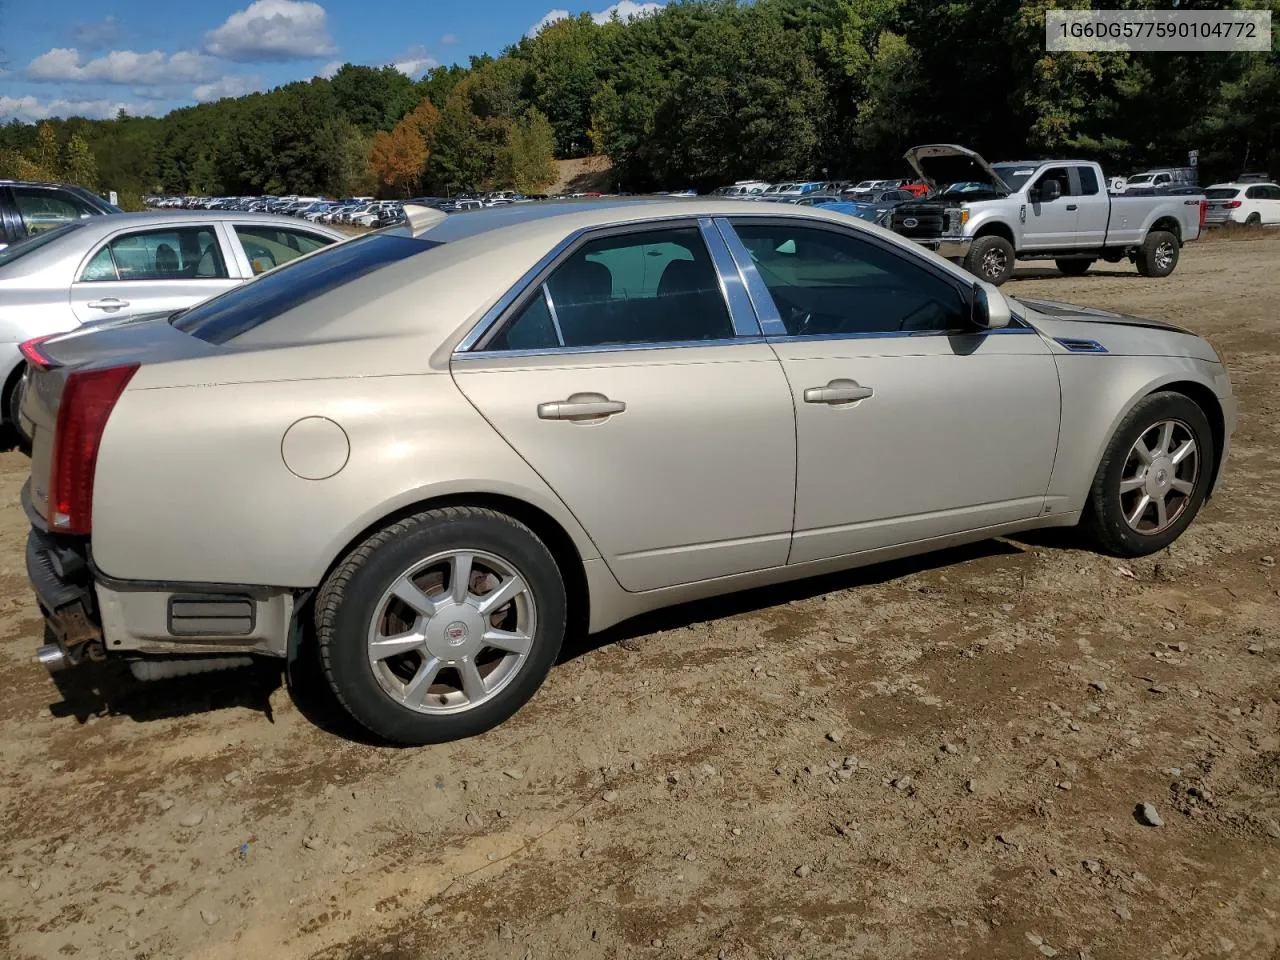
(1074, 268)
(1253, 220)
(9, 407)
(991, 258)
(346, 604)
(1158, 255)
(1104, 520)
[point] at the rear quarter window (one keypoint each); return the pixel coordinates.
(247, 307)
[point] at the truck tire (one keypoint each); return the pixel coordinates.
(1074, 268)
(991, 258)
(1158, 254)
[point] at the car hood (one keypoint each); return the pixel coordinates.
(940, 164)
(1109, 332)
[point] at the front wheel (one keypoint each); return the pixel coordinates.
(1074, 268)
(442, 625)
(1153, 478)
(1158, 254)
(991, 258)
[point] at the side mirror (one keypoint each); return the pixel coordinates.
(988, 308)
(1049, 190)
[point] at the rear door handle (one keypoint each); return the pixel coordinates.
(838, 391)
(1071, 206)
(107, 303)
(581, 406)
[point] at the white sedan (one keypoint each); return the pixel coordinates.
(111, 267)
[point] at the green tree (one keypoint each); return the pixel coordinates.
(461, 160)
(526, 161)
(79, 164)
(46, 156)
(564, 69)
(356, 176)
(373, 98)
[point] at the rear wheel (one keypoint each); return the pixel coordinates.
(9, 404)
(441, 625)
(991, 258)
(1158, 254)
(1074, 268)
(1153, 478)
(1254, 219)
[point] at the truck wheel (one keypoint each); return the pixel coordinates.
(1074, 268)
(991, 258)
(1153, 477)
(441, 625)
(1158, 254)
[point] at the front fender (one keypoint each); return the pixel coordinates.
(1098, 392)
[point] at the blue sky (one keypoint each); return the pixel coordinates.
(146, 56)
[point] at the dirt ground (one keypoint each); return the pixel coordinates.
(938, 758)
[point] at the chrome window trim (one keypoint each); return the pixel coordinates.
(899, 334)
(555, 317)
(766, 310)
(492, 320)
(742, 312)
(606, 348)
(491, 317)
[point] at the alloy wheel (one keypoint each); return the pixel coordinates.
(1159, 476)
(452, 631)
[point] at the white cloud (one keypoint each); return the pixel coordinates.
(330, 68)
(553, 16)
(98, 35)
(624, 9)
(413, 62)
(273, 30)
(29, 108)
(233, 85)
(63, 65)
(448, 40)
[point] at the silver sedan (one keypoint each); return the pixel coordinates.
(438, 449)
(123, 265)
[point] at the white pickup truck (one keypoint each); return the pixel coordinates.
(987, 217)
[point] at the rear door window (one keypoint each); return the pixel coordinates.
(653, 286)
(1088, 181)
(267, 247)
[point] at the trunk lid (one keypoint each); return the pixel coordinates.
(144, 340)
(940, 164)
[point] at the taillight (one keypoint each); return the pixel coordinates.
(1233, 204)
(1204, 209)
(32, 353)
(87, 401)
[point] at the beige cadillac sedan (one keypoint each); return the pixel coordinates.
(443, 446)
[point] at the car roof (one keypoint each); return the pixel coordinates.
(1241, 184)
(116, 221)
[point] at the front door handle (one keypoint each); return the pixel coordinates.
(581, 406)
(109, 304)
(838, 391)
(1071, 206)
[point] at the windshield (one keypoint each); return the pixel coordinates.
(1141, 178)
(36, 241)
(1213, 193)
(1014, 174)
(278, 291)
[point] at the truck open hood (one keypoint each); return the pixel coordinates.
(941, 164)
